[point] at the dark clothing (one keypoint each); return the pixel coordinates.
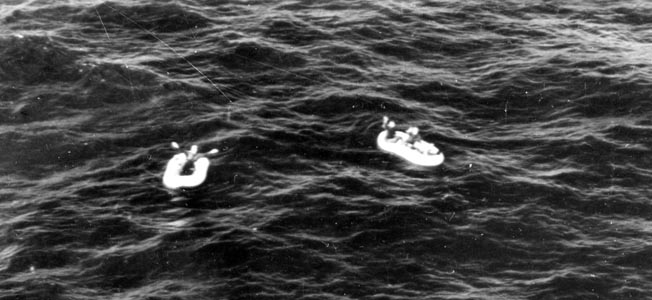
(413, 139)
(391, 132)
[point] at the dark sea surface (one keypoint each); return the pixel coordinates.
(542, 108)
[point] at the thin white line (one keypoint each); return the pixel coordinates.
(105, 31)
(172, 49)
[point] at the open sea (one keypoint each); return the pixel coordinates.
(543, 109)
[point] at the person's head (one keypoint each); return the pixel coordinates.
(413, 131)
(192, 152)
(391, 124)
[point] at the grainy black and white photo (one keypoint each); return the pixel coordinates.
(335, 149)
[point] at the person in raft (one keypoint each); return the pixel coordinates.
(413, 136)
(390, 126)
(416, 142)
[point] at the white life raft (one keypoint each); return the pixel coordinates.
(173, 178)
(421, 153)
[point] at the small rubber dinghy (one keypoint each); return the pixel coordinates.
(418, 152)
(173, 178)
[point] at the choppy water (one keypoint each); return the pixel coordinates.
(541, 107)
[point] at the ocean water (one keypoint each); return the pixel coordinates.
(542, 108)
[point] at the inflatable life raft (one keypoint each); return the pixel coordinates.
(173, 178)
(420, 153)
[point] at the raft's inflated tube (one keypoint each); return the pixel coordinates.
(173, 179)
(422, 154)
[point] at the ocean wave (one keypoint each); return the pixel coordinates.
(541, 111)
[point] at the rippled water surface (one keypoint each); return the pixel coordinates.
(542, 108)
